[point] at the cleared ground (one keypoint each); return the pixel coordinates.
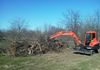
(65, 60)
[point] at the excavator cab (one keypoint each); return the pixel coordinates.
(90, 35)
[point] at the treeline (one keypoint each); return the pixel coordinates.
(71, 21)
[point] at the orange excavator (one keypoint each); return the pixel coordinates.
(90, 45)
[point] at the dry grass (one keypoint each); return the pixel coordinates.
(65, 60)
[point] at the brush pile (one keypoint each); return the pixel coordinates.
(31, 47)
(25, 48)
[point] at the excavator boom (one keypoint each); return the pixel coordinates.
(69, 33)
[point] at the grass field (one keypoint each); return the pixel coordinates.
(52, 61)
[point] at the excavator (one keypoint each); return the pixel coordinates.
(90, 45)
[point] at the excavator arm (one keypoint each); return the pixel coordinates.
(69, 33)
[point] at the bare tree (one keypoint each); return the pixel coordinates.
(16, 29)
(72, 21)
(89, 23)
(1, 35)
(97, 22)
(92, 23)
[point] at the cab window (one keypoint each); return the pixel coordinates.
(93, 35)
(88, 36)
